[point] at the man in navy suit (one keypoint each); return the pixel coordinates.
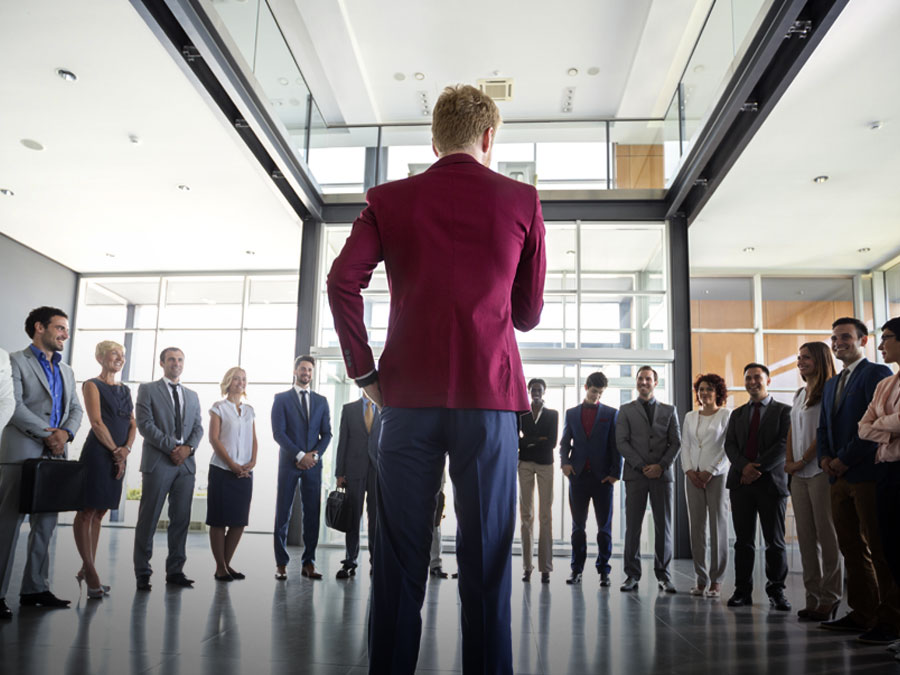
(591, 462)
(301, 425)
(850, 463)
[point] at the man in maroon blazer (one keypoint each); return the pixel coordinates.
(464, 253)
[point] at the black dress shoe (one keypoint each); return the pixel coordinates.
(223, 577)
(604, 579)
(5, 612)
(574, 578)
(179, 580)
(740, 600)
(43, 599)
(143, 583)
(439, 573)
(545, 577)
(236, 575)
(845, 623)
(779, 602)
(880, 635)
(526, 577)
(346, 572)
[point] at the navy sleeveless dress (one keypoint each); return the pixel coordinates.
(103, 491)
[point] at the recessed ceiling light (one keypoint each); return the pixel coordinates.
(820, 179)
(184, 188)
(876, 125)
(864, 249)
(135, 140)
(283, 81)
(31, 145)
(419, 76)
(399, 77)
(572, 72)
(425, 113)
(67, 75)
(593, 70)
(699, 68)
(748, 249)
(706, 291)
(6, 192)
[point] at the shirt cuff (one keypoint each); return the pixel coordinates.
(71, 435)
(367, 379)
(300, 455)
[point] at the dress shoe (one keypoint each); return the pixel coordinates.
(893, 647)
(281, 573)
(179, 580)
(309, 571)
(96, 593)
(631, 584)
(574, 578)
(779, 602)
(698, 591)
(43, 599)
(526, 576)
(439, 573)
(845, 623)
(739, 599)
(236, 575)
(880, 635)
(545, 577)
(5, 612)
(604, 579)
(143, 583)
(346, 572)
(223, 577)
(667, 586)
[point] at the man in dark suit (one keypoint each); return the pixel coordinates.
(538, 430)
(301, 425)
(356, 469)
(589, 459)
(850, 463)
(463, 248)
(649, 439)
(45, 416)
(755, 442)
(169, 419)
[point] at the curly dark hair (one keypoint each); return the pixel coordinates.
(714, 381)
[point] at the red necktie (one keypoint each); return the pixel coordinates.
(751, 450)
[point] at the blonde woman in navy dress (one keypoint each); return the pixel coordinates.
(109, 408)
(232, 434)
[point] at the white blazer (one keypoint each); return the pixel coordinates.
(711, 456)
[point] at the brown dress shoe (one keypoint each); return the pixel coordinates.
(309, 571)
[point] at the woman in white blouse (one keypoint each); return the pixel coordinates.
(810, 490)
(232, 434)
(705, 467)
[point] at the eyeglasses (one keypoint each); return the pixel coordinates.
(888, 336)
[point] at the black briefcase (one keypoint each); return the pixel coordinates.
(339, 511)
(52, 485)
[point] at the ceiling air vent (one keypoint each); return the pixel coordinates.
(499, 89)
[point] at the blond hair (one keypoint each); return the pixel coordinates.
(461, 115)
(229, 375)
(103, 348)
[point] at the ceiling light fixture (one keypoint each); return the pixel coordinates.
(699, 68)
(249, 252)
(135, 140)
(864, 249)
(399, 77)
(748, 249)
(6, 192)
(876, 125)
(184, 188)
(419, 76)
(283, 81)
(572, 72)
(110, 255)
(31, 145)
(67, 75)
(820, 179)
(593, 70)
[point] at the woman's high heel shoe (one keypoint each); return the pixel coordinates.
(79, 578)
(95, 593)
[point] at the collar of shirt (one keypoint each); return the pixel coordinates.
(170, 382)
(539, 413)
(766, 401)
(42, 358)
(298, 389)
(648, 401)
(853, 365)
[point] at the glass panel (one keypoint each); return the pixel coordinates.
(638, 155)
(671, 141)
(272, 302)
(719, 302)
(724, 354)
(603, 317)
(408, 151)
(338, 157)
(781, 357)
(804, 303)
(617, 249)
(560, 243)
(892, 288)
(207, 354)
(240, 20)
(268, 355)
(557, 327)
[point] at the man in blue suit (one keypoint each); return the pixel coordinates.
(301, 425)
(850, 463)
(591, 462)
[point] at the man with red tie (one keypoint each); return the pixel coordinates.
(463, 249)
(755, 442)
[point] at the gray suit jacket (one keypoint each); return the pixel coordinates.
(23, 438)
(357, 448)
(155, 415)
(640, 444)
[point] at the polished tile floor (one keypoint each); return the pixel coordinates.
(262, 626)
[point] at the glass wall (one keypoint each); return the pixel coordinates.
(219, 322)
(892, 288)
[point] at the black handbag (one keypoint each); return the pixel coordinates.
(52, 485)
(339, 511)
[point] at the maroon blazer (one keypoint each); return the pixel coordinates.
(463, 248)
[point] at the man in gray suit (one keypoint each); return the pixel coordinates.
(168, 417)
(356, 465)
(649, 439)
(46, 416)
(7, 398)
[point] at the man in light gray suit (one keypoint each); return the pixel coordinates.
(168, 417)
(44, 421)
(355, 469)
(649, 439)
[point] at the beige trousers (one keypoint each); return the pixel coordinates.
(708, 506)
(819, 550)
(528, 472)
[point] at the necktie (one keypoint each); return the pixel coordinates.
(369, 416)
(179, 422)
(839, 392)
(752, 450)
(304, 411)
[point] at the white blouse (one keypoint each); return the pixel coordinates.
(804, 422)
(703, 442)
(235, 432)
